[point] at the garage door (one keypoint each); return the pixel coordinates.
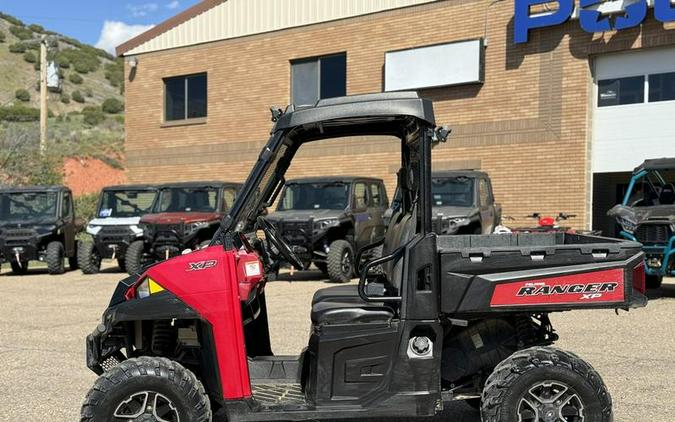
(634, 109)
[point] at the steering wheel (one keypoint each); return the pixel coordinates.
(272, 236)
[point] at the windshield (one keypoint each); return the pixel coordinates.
(187, 200)
(452, 192)
(27, 206)
(315, 196)
(122, 204)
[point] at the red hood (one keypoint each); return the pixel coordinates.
(180, 217)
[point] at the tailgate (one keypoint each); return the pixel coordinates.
(607, 285)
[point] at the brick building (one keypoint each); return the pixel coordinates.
(556, 121)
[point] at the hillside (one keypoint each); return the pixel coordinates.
(83, 68)
(85, 145)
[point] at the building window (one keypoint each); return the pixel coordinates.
(185, 97)
(662, 87)
(317, 78)
(621, 91)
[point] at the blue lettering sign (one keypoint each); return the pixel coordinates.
(590, 20)
(523, 21)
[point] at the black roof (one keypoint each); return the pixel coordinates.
(369, 106)
(131, 187)
(458, 173)
(656, 164)
(329, 179)
(201, 184)
(37, 188)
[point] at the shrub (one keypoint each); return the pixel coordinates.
(85, 206)
(81, 67)
(93, 116)
(29, 56)
(114, 72)
(36, 28)
(17, 48)
(62, 61)
(19, 113)
(112, 106)
(88, 92)
(65, 98)
(2, 37)
(83, 60)
(11, 19)
(22, 95)
(75, 78)
(36, 65)
(21, 32)
(77, 97)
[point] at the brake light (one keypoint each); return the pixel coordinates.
(639, 283)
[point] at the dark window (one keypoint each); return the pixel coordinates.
(662, 87)
(314, 196)
(65, 205)
(612, 92)
(317, 78)
(185, 97)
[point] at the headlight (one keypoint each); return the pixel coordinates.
(148, 287)
(627, 225)
(326, 223)
(93, 229)
(193, 227)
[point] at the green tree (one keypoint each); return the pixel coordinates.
(17, 48)
(112, 106)
(21, 32)
(85, 206)
(29, 56)
(36, 28)
(65, 98)
(75, 78)
(22, 95)
(77, 97)
(93, 116)
(62, 61)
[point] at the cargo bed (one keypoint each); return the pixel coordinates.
(549, 271)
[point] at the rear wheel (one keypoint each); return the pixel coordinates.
(543, 384)
(147, 389)
(19, 268)
(340, 261)
(55, 258)
(653, 281)
(88, 258)
(135, 258)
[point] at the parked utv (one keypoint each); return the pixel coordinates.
(38, 224)
(325, 220)
(647, 215)
(185, 216)
(446, 318)
(115, 227)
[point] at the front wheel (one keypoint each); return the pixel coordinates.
(544, 384)
(88, 258)
(653, 281)
(340, 261)
(55, 258)
(147, 389)
(135, 258)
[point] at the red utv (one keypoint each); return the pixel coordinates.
(185, 216)
(436, 318)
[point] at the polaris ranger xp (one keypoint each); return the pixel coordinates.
(326, 219)
(647, 215)
(38, 224)
(461, 317)
(185, 217)
(115, 227)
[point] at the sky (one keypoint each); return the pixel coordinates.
(103, 23)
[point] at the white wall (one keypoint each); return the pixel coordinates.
(624, 136)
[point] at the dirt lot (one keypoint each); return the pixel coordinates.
(44, 320)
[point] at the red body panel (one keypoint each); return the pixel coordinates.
(207, 281)
(180, 217)
(605, 286)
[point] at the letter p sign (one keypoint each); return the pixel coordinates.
(523, 21)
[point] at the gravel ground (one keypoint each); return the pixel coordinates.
(44, 320)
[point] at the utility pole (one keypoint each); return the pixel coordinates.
(43, 94)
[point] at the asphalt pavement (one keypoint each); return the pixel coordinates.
(45, 319)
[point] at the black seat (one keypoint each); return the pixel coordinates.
(667, 195)
(343, 305)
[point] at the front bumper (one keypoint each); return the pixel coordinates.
(659, 258)
(25, 252)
